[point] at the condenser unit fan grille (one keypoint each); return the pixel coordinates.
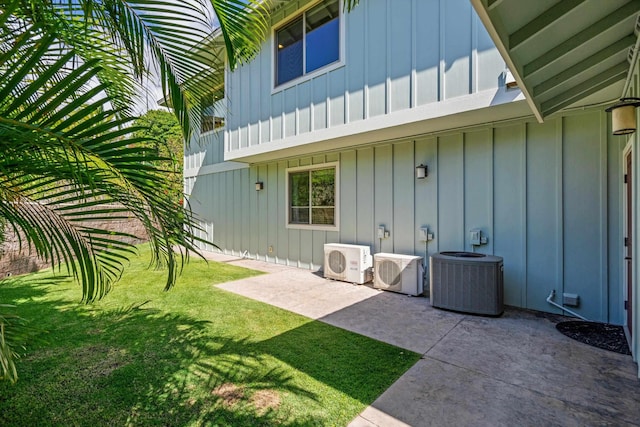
(337, 262)
(389, 273)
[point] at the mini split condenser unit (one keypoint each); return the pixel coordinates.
(398, 273)
(349, 263)
(467, 282)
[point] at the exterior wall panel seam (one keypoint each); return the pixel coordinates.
(463, 180)
(491, 190)
(604, 217)
(413, 95)
(437, 185)
(441, 63)
(473, 60)
(525, 210)
(327, 100)
(560, 182)
(365, 93)
(387, 91)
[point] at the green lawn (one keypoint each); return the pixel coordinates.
(195, 355)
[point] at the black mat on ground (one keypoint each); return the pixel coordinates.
(601, 335)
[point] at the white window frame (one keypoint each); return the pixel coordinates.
(215, 129)
(224, 103)
(336, 213)
(315, 73)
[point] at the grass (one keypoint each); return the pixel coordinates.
(195, 355)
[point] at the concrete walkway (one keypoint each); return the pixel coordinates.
(475, 371)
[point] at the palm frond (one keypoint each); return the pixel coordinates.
(158, 34)
(69, 72)
(130, 38)
(77, 154)
(350, 4)
(244, 26)
(14, 331)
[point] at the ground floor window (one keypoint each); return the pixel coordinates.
(312, 196)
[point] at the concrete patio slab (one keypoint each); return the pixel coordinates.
(434, 393)
(516, 369)
(300, 291)
(526, 350)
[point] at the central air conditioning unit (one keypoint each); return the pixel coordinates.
(467, 282)
(398, 273)
(349, 263)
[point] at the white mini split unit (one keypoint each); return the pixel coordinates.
(349, 263)
(398, 273)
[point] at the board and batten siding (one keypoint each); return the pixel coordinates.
(631, 142)
(203, 150)
(545, 195)
(398, 55)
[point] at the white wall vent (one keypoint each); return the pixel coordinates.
(349, 263)
(467, 282)
(398, 273)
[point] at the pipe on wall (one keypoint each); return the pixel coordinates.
(553, 294)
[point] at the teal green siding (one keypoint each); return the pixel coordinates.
(584, 185)
(450, 234)
(546, 196)
(544, 235)
(403, 198)
(207, 150)
(618, 225)
(509, 208)
(365, 226)
(349, 197)
(398, 55)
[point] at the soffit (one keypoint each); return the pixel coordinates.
(282, 9)
(564, 53)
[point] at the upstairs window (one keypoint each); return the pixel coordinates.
(208, 119)
(309, 42)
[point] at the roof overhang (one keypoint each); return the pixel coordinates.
(564, 53)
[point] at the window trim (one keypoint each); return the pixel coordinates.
(316, 227)
(224, 104)
(315, 73)
(214, 131)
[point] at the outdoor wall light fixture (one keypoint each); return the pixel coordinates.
(421, 171)
(259, 185)
(623, 115)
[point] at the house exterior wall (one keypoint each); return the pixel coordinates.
(546, 195)
(632, 142)
(399, 55)
(549, 196)
(204, 150)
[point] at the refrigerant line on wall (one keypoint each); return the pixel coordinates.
(553, 294)
(426, 260)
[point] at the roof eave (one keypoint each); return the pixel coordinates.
(504, 52)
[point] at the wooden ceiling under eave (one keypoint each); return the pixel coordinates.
(564, 53)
